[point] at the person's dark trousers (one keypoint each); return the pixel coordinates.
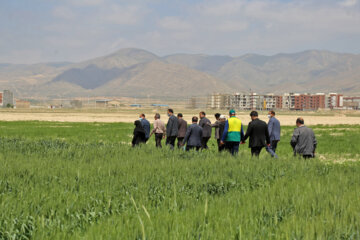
(170, 140)
(255, 151)
(204, 142)
(146, 139)
(232, 147)
(220, 147)
(180, 142)
(274, 144)
(158, 138)
(188, 148)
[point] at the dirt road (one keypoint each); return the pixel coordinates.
(130, 115)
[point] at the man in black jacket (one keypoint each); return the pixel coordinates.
(258, 133)
(193, 136)
(171, 129)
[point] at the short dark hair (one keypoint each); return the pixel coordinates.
(180, 115)
(143, 115)
(157, 115)
(254, 114)
(272, 112)
(203, 113)
(217, 115)
(300, 120)
(170, 110)
(194, 119)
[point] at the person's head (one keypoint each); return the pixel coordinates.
(137, 123)
(217, 116)
(142, 116)
(271, 114)
(194, 119)
(170, 112)
(254, 115)
(180, 115)
(202, 115)
(232, 113)
(300, 121)
(222, 118)
(157, 116)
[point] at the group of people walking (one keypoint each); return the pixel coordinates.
(229, 133)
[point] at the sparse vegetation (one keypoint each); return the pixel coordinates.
(84, 181)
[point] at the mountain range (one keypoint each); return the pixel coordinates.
(139, 73)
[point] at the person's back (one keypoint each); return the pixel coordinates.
(146, 125)
(205, 124)
(193, 135)
(172, 127)
(232, 134)
(182, 126)
(304, 141)
(159, 126)
(234, 131)
(258, 133)
(139, 134)
(274, 129)
(221, 128)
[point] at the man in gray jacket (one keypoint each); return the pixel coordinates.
(171, 129)
(303, 140)
(193, 136)
(205, 124)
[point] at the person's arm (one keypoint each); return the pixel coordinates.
(201, 123)
(248, 132)
(134, 138)
(315, 142)
(295, 138)
(270, 126)
(226, 129)
(169, 126)
(156, 126)
(187, 135)
(242, 135)
(267, 136)
(215, 125)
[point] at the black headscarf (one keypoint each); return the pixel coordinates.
(138, 127)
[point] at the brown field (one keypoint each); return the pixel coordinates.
(129, 115)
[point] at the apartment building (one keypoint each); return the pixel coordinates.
(290, 101)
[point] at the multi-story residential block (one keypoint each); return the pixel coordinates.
(7, 99)
(290, 101)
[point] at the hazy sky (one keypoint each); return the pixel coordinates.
(73, 30)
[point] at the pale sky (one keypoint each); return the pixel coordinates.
(34, 31)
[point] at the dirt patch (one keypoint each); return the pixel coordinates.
(286, 119)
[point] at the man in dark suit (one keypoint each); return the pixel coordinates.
(205, 124)
(171, 129)
(182, 126)
(258, 132)
(193, 136)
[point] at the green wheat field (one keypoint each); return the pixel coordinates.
(84, 181)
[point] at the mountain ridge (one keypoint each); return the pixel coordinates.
(134, 72)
